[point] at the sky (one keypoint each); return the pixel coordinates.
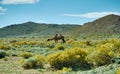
(55, 11)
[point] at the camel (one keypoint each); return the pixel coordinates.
(56, 38)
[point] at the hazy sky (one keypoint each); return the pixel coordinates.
(55, 11)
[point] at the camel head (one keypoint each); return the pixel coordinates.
(49, 39)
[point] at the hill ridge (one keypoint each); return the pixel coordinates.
(109, 24)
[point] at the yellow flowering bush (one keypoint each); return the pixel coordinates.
(74, 57)
(53, 59)
(21, 43)
(31, 42)
(26, 54)
(67, 69)
(118, 71)
(59, 47)
(103, 55)
(4, 47)
(71, 41)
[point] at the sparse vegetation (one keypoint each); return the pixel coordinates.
(76, 54)
(81, 54)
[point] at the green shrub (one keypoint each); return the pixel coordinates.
(116, 59)
(2, 54)
(33, 62)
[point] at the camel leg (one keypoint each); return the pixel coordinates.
(56, 41)
(63, 40)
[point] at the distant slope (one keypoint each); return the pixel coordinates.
(108, 24)
(31, 28)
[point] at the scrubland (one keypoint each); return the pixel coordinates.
(79, 55)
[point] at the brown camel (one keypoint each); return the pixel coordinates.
(56, 38)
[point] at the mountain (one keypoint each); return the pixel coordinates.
(109, 24)
(38, 28)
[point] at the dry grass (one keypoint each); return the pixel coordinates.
(12, 66)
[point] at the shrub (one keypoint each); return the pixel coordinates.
(5, 58)
(13, 41)
(71, 41)
(59, 47)
(4, 47)
(64, 70)
(103, 55)
(88, 43)
(26, 54)
(67, 69)
(53, 59)
(50, 45)
(32, 43)
(19, 43)
(116, 59)
(69, 58)
(118, 71)
(2, 54)
(42, 44)
(33, 62)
